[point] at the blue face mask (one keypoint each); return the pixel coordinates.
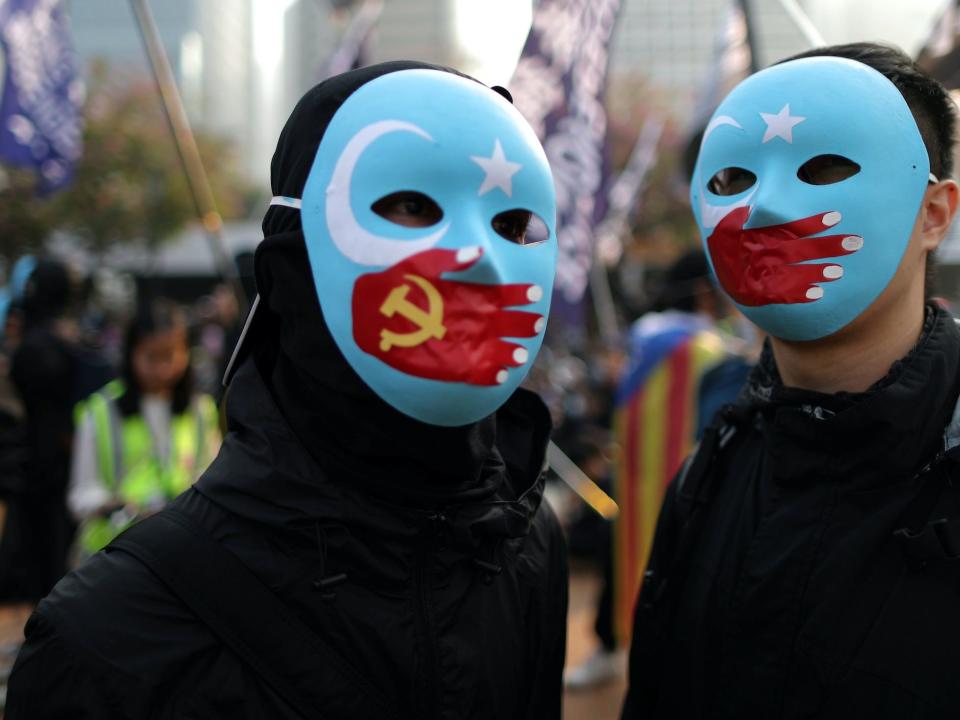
(441, 319)
(808, 183)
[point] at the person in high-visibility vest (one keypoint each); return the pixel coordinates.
(142, 439)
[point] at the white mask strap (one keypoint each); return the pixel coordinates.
(930, 178)
(285, 201)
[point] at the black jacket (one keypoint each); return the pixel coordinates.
(422, 616)
(807, 561)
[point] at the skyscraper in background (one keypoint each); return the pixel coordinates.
(310, 31)
(243, 64)
(666, 48)
(217, 63)
(210, 48)
(418, 29)
(105, 30)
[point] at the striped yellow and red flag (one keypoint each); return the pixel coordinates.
(655, 424)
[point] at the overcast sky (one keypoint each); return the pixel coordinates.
(905, 23)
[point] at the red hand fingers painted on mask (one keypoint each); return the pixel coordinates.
(491, 363)
(803, 249)
(806, 226)
(800, 283)
(510, 295)
(439, 328)
(759, 266)
(512, 323)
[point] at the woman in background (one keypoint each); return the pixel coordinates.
(143, 439)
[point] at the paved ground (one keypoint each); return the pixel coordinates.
(12, 618)
(600, 704)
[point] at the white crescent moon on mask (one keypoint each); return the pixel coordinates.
(351, 239)
(718, 122)
(711, 215)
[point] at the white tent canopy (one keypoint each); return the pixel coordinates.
(188, 254)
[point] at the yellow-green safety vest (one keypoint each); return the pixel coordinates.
(129, 466)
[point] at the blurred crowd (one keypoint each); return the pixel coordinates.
(108, 396)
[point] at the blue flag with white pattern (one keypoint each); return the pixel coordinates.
(559, 86)
(42, 93)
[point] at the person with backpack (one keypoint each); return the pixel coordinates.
(372, 540)
(805, 561)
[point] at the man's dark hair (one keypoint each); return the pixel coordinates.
(931, 105)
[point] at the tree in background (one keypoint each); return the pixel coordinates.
(661, 225)
(26, 220)
(128, 186)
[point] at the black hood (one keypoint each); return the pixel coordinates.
(349, 430)
(265, 475)
(304, 129)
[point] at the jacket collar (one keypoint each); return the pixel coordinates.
(882, 435)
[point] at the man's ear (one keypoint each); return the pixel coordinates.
(939, 207)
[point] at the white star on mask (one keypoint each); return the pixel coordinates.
(780, 125)
(498, 169)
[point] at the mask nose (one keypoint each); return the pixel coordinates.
(487, 269)
(762, 215)
(772, 206)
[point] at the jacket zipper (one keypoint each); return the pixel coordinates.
(428, 679)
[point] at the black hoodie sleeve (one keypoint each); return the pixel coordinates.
(110, 642)
(48, 682)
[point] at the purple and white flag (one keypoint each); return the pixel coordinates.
(626, 192)
(354, 49)
(42, 94)
(559, 87)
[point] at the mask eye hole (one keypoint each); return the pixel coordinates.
(409, 209)
(731, 181)
(520, 226)
(827, 170)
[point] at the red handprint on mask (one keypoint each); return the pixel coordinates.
(766, 265)
(440, 329)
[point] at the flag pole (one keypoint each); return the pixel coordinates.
(624, 196)
(349, 50)
(751, 37)
(578, 481)
(603, 304)
(803, 23)
(187, 149)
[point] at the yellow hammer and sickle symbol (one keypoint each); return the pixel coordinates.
(429, 322)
